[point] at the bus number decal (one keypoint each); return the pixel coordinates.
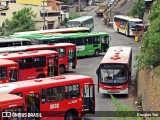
(53, 106)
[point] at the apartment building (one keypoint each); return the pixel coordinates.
(48, 13)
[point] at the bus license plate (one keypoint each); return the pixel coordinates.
(113, 91)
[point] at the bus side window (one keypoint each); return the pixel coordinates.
(96, 40)
(3, 73)
(43, 96)
(55, 94)
(72, 41)
(25, 63)
(88, 40)
(39, 62)
(72, 91)
(79, 41)
(62, 52)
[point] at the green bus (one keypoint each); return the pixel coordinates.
(84, 21)
(86, 43)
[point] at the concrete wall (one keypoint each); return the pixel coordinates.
(33, 2)
(149, 88)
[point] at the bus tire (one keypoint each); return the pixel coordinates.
(62, 69)
(71, 115)
(96, 53)
(41, 76)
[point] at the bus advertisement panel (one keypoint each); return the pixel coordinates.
(66, 97)
(11, 104)
(84, 21)
(8, 71)
(35, 64)
(86, 43)
(66, 51)
(128, 25)
(114, 71)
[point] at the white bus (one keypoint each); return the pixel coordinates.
(128, 25)
(9, 42)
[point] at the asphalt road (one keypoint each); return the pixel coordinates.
(88, 65)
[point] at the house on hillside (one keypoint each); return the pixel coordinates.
(48, 13)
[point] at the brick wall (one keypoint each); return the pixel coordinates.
(149, 87)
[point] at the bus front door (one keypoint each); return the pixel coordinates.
(13, 75)
(33, 105)
(89, 99)
(72, 59)
(105, 44)
(53, 66)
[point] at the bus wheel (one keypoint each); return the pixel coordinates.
(71, 116)
(96, 53)
(62, 69)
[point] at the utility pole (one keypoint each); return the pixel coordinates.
(44, 19)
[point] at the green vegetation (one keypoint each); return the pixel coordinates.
(150, 52)
(73, 16)
(22, 20)
(138, 9)
(123, 112)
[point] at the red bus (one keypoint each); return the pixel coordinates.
(66, 51)
(10, 103)
(114, 71)
(7, 70)
(34, 64)
(65, 97)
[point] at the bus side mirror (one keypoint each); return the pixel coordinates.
(109, 39)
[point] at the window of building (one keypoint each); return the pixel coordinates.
(3, 14)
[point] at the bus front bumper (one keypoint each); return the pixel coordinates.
(117, 91)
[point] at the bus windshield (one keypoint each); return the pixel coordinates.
(73, 24)
(114, 75)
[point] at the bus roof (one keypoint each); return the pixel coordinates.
(12, 39)
(62, 30)
(8, 98)
(30, 47)
(81, 19)
(122, 55)
(47, 82)
(5, 62)
(72, 35)
(128, 18)
(28, 53)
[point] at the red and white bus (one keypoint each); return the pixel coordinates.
(35, 64)
(8, 70)
(65, 97)
(114, 71)
(9, 104)
(66, 51)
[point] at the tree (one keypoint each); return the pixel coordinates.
(22, 20)
(138, 9)
(150, 52)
